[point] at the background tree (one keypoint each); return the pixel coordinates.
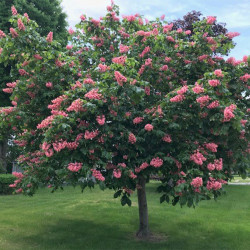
(50, 17)
(124, 100)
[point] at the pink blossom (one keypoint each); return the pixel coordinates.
(162, 17)
(71, 31)
(13, 33)
(245, 77)
(49, 85)
(20, 24)
(164, 68)
(69, 47)
(76, 106)
(197, 182)
(119, 60)
(203, 100)
(74, 167)
(132, 175)
(93, 94)
(218, 73)
(198, 158)
(243, 122)
(198, 89)
(177, 98)
(167, 59)
(137, 120)
(170, 39)
(20, 190)
(50, 37)
(120, 78)
(18, 175)
(90, 135)
(231, 35)
(218, 164)
(214, 83)
(147, 90)
(145, 51)
(124, 48)
(149, 127)
(13, 10)
(167, 138)
(168, 27)
(228, 113)
(156, 162)
(103, 67)
(132, 138)
(188, 32)
(211, 167)
(1, 50)
(98, 175)
(213, 105)
(202, 58)
(211, 19)
(2, 34)
(8, 90)
(88, 81)
(117, 173)
(100, 119)
(183, 90)
(211, 146)
(213, 184)
(82, 17)
(46, 122)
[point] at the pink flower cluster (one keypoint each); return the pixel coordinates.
(117, 173)
(74, 167)
(103, 67)
(50, 37)
(203, 100)
(213, 105)
(177, 98)
(228, 113)
(100, 119)
(90, 135)
(132, 175)
(211, 146)
(19, 177)
(132, 138)
(119, 60)
(198, 89)
(93, 94)
(214, 83)
(76, 106)
(218, 73)
(197, 182)
(124, 48)
(170, 39)
(167, 138)
(145, 51)
(142, 167)
(149, 127)
(2, 34)
(245, 77)
(13, 33)
(88, 81)
(13, 10)
(137, 120)
(231, 35)
(164, 68)
(198, 158)
(218, 165)
(183, 90)
(49, 85)
(211, 19)
(156, 162)
(20, 24)
(213, 184)
(46, 122)
(98, 175)
(120, 78)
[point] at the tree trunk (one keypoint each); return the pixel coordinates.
(3, 151)
(143, 231)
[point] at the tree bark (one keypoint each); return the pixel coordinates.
(3, 151)
(143, 231)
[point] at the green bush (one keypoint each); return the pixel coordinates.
(5, 181)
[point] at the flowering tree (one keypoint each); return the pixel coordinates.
(125, 100)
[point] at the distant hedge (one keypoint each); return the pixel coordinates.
(5, 181)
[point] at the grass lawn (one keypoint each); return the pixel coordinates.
(94, 220)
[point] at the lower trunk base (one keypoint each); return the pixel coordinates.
(143, 234)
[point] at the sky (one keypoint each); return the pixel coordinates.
(235, 13)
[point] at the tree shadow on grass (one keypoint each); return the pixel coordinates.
(85, 234)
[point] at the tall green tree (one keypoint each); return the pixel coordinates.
(50, 17)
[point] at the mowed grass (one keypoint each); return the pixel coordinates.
(70, 219)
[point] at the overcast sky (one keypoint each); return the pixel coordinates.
(235, 13)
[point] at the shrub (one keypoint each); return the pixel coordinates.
(5, 181)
